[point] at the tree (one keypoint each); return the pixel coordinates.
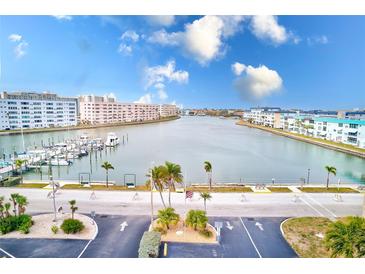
(73, 207)
(173, 175)
(22, 202)
(6, 209)
(18, 165)
(107, 166)
(330, 169)
(2, 198)
(208, 170)
(347, 238)
(197, 219)
(167, 216)
(13, 198)
(158, 176)
(206, 196)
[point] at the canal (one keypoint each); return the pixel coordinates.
(237, 153)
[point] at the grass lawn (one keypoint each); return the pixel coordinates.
(301, 235)
(329, 190)
(221, 189)
(103, 187)
(35, 185)
(279, 189)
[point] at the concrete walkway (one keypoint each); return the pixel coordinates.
(221, 204)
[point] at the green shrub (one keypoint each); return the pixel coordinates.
(72, 226)
(8, 224)
(149, 245)
(20, 223)
(24, 223)
(54, 229)
(206, 233)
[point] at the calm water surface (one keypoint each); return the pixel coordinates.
(237, 153)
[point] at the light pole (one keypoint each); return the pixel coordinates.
(309, 171)
(53, 192)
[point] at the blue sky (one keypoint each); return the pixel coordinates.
(307, 62)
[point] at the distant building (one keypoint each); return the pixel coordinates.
(105, 109)
(36, 110)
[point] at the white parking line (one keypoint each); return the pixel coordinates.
(249, 236)
(87, 245)
(7, 253)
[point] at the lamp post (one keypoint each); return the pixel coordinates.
(308, 173)
(53, 191)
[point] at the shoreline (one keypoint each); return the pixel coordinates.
(42, 130)
(306, 139)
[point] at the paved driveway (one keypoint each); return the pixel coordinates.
(240, 238)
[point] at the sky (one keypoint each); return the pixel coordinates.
(307, 62)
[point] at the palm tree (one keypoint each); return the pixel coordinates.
(197, 219)
(167, 216)
(7, 208)
(173, 175)
(158, 175)
(14, 198)
(18, 165)
(107, 166)
(347, 238)
(208, 170)
(206, 196)
(330, 169)
(22, 202)
(73, 207)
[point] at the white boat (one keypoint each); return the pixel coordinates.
(112, 140)
(60, 162)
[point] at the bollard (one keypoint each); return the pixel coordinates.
(165, 250)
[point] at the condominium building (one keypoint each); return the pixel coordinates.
(36, 110)
(105, 109)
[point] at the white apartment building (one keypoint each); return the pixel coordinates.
(36, 110)
(105, 109)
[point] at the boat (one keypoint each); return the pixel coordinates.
(112, 140)
(60, 162)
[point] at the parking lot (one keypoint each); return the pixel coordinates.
(240, 238)
(119, 237)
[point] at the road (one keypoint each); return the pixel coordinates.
(221, 204)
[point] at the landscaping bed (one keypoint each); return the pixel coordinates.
(103, 187)
(329, 190)
(304, 236)
(279, 189)
(221, 189)
(42, 228)
(32, 185)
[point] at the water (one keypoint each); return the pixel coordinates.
(237, 153)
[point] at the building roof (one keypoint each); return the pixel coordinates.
(339, 121)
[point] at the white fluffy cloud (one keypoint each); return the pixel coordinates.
(145, 99)
(63, 17)
(130, 35)
(266, 27)
(255, 83)
(203, 39)
(15, 37)
(161, 20)
(128, 38)
(21, 48)
(168, 72)
(323, 39)
(238, 68)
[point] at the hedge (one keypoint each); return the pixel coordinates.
(10, 181)
(149, 245)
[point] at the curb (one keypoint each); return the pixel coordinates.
(283, 234)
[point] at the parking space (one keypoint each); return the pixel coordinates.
(240, 238)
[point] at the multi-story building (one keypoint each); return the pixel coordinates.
(105, 109)
(36, 110)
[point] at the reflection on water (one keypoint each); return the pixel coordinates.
(238, 154)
